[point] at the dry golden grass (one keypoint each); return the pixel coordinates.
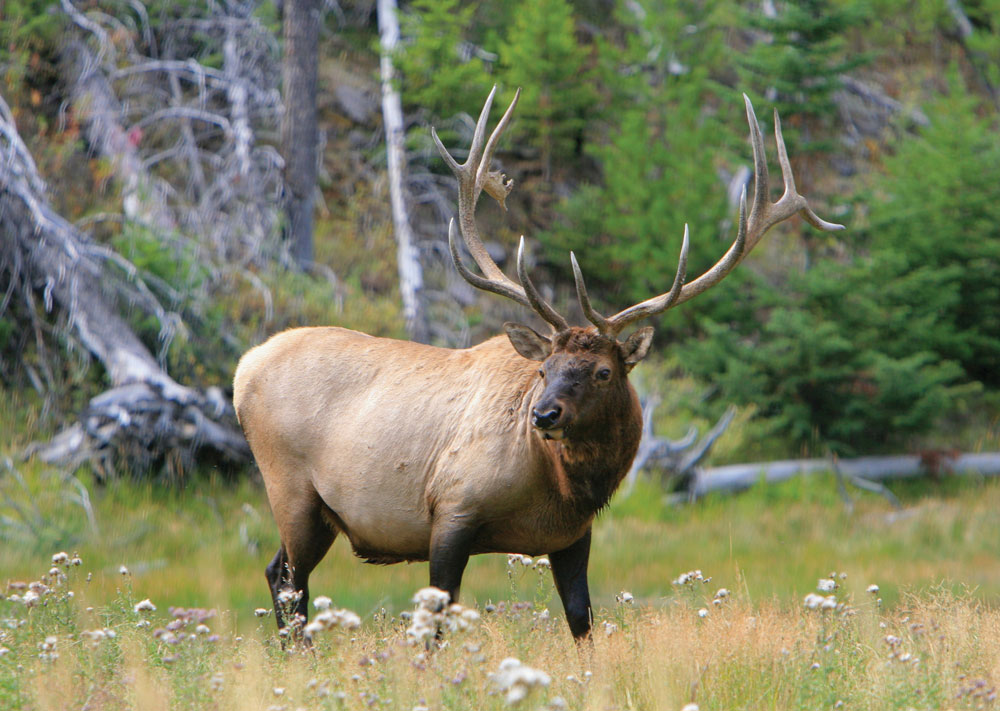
(937, 650)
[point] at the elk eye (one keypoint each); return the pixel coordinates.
(604, 373)
(541, 373)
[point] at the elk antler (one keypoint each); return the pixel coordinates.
(763, 216)
(474, 176)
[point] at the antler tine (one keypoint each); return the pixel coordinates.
(474, 176)
(541, 307)
(763, 215)
(761, 179)
(493, 181)
(581, 293)
(475, 150)
(614, 325)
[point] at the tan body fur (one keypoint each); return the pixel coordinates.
(385, 437)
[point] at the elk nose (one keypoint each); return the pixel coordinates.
(547, 418)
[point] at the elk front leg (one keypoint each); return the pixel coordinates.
(451, 545)
(569, 569)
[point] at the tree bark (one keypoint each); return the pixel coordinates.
(411, 281)
(299, 137)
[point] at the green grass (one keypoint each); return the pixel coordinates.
(205, 543)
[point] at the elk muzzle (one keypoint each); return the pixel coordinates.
(550, 416)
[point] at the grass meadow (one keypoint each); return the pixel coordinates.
(927, 638)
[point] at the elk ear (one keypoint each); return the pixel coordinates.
(527, 342)
(637, 346)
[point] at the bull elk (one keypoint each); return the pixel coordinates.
(421, 453)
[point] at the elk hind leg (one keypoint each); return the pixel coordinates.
(306, 536)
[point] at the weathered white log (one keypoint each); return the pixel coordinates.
(736, 477)
(411, 281)
(677, 460)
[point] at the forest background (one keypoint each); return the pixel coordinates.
(882, 338)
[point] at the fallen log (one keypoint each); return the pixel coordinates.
(738, 477)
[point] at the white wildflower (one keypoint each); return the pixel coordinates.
(543, 564)
(94, 636)
(322, 603)
(813, 601)
(289, 596)
(610, 628)
(873, 589)
(423, 624)
(60, 558)
(329, 619)
(690, 707)
(517, 680)
(279, 691)
(829, 603)
(122, 570)
(703, 612)
(144, 606)
(431, 599)
(826, 585)
(30, 598)
(202, 629)
(261, 612)
(625, 597)
(692, 576)
(721, 593)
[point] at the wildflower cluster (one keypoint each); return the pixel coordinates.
(329, 618)
(47, 649)
(516, 680)
(49, 587)
(187, 624)
(96, 636)
(829, 585)
(691, 577)
(433, 612)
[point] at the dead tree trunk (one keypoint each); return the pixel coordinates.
(145, 412)
(411, 281)
(299, 137)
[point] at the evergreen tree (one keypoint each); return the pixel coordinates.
(439, 75)
(541, 55)
(798, 66)
(660, 164)
(855, 357)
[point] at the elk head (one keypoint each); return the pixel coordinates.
(583, 368)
